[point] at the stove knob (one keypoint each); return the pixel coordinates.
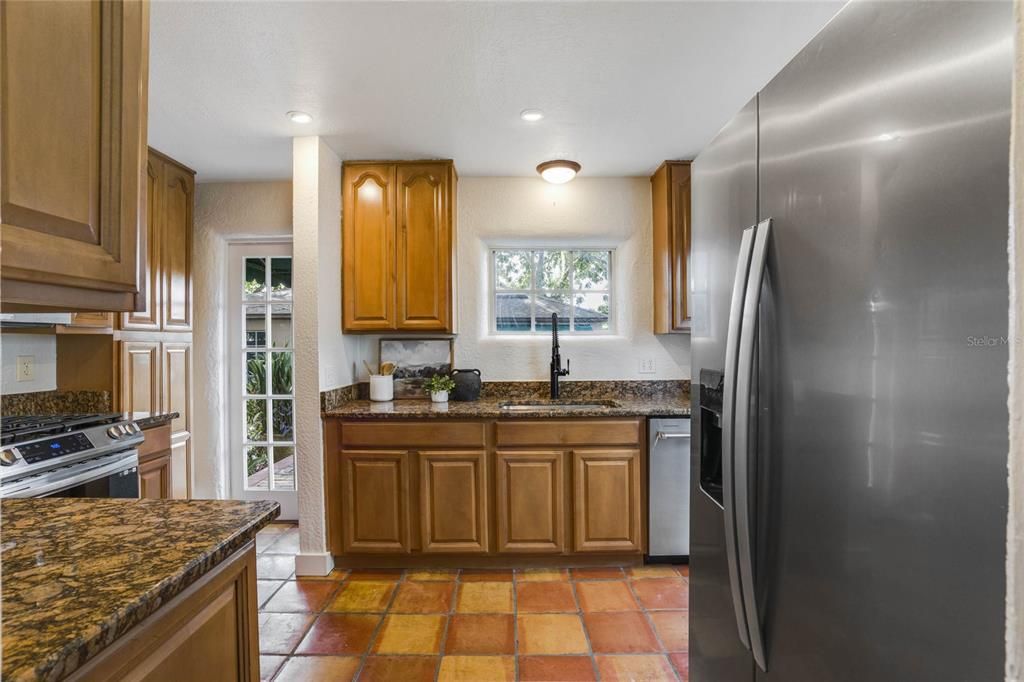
(113, 432)
(7, 458)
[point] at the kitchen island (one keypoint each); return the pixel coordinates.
(100, 588)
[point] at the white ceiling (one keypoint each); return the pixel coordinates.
(624, 85)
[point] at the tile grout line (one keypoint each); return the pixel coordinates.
(456, 588)
(515, 626)
(650, 624)
(586, 631)
(380, 626)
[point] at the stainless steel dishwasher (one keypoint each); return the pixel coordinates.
(668, 499)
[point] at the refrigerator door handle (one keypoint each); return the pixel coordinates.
(732, 342)
(742, 441)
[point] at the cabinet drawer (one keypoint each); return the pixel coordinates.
(441, 434)
(547, 432)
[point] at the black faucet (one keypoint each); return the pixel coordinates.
(556, 358)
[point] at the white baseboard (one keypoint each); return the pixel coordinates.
(318, 564)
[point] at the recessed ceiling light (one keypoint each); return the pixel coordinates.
(888, 137)
(299, 117)
(531, 115)
(559, 171)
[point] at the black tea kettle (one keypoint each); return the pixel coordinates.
(467, 385)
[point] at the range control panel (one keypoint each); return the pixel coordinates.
(54, 447)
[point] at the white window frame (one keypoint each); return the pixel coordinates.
(534, 291)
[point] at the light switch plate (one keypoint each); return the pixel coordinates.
(26, 367)
(647, 366)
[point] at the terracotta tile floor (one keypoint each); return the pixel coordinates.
(472, 625)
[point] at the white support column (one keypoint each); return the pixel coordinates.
(316, 202)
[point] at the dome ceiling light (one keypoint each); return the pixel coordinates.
(559, 171)
(299, 117)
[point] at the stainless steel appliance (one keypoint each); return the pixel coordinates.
(850, 422)
(668, 506)
(85, 455)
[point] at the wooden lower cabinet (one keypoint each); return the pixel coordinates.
(437, 492)
(606, 500)
(208, 632)
(453, 501)
(155, 477)
(530, 501)
(375, 501)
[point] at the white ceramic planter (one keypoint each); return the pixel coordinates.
(439, 396)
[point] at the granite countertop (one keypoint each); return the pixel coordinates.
(79, 573)
(490, 408)
(147, 420)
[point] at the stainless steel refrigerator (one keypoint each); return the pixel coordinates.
(849, 287)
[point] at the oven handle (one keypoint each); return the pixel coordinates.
(129, 460)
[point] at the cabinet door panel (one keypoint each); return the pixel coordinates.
(453, 501)
(680, 245)
(530, 507)
(176, 248)
(375, 492)
(140, 376)
(181, 467)
(177, 384)
(72, 148)
(368, 247)
(606, 500)
(424, 247)
(149, 316)
(155, 477)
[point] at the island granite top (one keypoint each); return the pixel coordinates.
(79, 573)
(490, 408)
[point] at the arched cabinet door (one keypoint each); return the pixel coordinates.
(424, 247)
(368, 247)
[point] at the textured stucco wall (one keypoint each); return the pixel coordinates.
(224, 211)
(1015, 529)
(323, 358)
(606, 212)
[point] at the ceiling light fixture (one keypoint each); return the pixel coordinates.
(531, 115)
(559, 171)
(299, 117)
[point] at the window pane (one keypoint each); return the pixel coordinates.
(281, 279)
(283, 430)
(255, 419)
(255, 287)
(549, 302)
(553, 269)
(512, 312)
(281, 325)
(284, 467)
(512, 269)
(281, 373)
(591, 312)
(255, 326)
(591, 270)
(256, 467)
(255, 373)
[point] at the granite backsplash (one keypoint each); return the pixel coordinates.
(55, 402)
(527, 390)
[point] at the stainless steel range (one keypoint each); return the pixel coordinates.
(77, 455)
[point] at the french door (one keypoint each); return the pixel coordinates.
(261, 360)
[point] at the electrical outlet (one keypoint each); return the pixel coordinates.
(647, 366)
(26, 367)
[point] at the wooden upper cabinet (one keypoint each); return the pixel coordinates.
(453, 501)
(606, 500)
(424, 247)
(176, 247)
(140, 376)
(670, 192)
(74, 78)
(147, 310)
(398, 234)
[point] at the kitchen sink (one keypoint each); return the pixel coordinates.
(556, 405)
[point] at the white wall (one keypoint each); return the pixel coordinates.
(1015, 527)
(229, 210)
(44, 375)
(613, 212)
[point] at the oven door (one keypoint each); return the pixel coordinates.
(113, 475)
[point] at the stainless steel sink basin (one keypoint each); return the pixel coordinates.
(557, 405)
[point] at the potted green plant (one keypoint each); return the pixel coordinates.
(438, 386)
